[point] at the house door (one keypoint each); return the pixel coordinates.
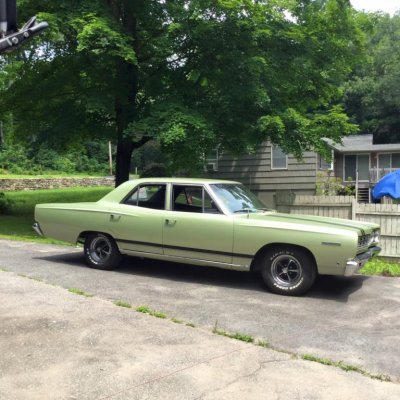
(354, 163)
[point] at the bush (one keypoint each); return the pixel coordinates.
(5, 204)
(13, 158)
(155, 171)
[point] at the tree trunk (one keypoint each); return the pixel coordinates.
(126, 89)
(123, 161)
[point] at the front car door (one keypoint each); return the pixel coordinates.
(194, 226)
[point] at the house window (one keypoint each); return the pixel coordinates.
(279, 158)
(212, 160)
(324, 164)
(389, 161)
(356, 163)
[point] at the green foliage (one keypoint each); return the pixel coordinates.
(190, 74)
(378, 266)
(14, 159)
(5, 204)
(154, 171)
(153, 313)
(80, 292)
(121, 303)
(372, 96)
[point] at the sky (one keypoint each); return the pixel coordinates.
(388, 6)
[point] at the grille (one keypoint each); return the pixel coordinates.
(364, 241)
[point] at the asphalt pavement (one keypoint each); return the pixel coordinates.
(58, 345)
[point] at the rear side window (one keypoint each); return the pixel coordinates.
(147, 196)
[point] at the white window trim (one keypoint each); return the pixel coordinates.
(272, 160)
(332, 166)
(391, 158)
(356, 154)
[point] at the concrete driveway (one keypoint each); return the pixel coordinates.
(355, 320)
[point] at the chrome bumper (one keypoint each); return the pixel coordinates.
(36, 228)
(354, 265)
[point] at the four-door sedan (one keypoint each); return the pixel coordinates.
(212, 223)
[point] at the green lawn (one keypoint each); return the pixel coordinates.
(18, 225)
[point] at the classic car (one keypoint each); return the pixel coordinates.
(212, 223)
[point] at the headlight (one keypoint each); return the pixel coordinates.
(376, 236)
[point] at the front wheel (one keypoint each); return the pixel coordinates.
(101, 252)
(288, 271)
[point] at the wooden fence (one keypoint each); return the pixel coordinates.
(386, 215)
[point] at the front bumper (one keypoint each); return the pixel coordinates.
(354, 265)
(36, 228)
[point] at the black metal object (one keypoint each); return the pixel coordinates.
(10, 36)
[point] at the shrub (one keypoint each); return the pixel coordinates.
(155, 171)
(5, 204)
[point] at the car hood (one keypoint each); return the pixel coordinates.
(308, 221)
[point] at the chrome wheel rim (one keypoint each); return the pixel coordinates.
(286, 270)
(100, 249)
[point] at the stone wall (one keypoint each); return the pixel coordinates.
(53, 183)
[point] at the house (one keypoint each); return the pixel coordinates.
(361, 162)
(269, 170)
(356, 161)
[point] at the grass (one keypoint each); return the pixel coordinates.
(378, 266)
(237, 336)
(80, 292)
(149, 311)
(18, 225)
(121, 303)
(345, 367)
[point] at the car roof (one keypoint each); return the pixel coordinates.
(183, 180)
(121, 191)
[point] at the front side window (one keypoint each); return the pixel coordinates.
(147, 196)
(187, 198)
(278, 158)
(237, 199)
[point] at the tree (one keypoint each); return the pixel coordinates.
(372, 96)
(192, 73)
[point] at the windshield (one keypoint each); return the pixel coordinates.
(237, 198)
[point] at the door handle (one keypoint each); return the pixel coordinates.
(170, 222)
(114, 217)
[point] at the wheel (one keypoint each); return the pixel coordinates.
(288, 270)
(101, 252)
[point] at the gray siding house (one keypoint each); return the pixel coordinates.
(269, 170)
(356, 161)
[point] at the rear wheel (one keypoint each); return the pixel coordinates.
(101, 252)
(288, 270)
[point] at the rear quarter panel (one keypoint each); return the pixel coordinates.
(66, 221)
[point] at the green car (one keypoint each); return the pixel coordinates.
(212, 223)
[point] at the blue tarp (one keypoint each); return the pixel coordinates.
(389, 185)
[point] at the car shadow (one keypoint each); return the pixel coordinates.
(336, 288)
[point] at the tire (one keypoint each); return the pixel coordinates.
(101, 252)
(288, 270)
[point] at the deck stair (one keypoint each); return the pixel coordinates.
(363, 195)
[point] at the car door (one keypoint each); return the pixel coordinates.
(195, 228)
(137, 222)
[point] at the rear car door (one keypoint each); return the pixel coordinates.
(137, 222)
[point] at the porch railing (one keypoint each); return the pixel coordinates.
(376, 174)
